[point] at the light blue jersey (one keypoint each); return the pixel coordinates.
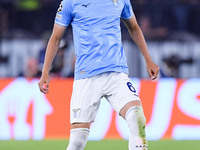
(96, 33)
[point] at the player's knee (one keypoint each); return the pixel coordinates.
(78, 139)
(78, 143)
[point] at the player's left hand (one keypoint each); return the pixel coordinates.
(152, 69)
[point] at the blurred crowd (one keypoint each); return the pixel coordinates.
(34, 65)
(26, 18)
(159, 19)
(168, 19)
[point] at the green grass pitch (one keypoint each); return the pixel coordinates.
(97, 145)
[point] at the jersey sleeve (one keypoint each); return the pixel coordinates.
(127, 11)
(64, 13)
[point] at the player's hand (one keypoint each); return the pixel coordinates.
(44, 83)
(152, 69)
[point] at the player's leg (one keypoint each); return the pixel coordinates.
(132, 112)
(78, 136)
(123, 97)
(84, 105)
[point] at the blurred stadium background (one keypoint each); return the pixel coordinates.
(30, 120)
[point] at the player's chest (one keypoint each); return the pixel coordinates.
(89, 9)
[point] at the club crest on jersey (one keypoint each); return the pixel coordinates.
(115, 2)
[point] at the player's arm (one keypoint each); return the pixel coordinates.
(137, 36)
(51, 51)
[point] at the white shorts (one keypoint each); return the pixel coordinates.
(87, 93)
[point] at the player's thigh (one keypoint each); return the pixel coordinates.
(85, 101)
(122, 94)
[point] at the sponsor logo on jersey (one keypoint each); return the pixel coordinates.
(86, 5)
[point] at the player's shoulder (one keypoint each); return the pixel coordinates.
(64, 2)
(65, 5)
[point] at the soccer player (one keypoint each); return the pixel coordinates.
(101, 69)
